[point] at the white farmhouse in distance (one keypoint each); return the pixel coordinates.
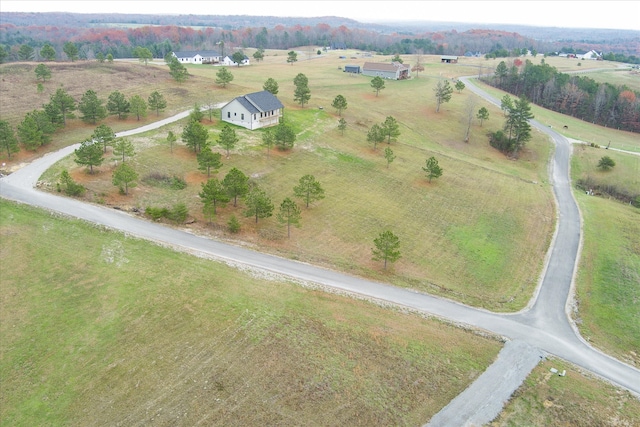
(198, 57)
(253, 111)
(229, 61)
(592, 54)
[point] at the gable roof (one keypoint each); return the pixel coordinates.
(259, 102)
(384, 66)
(192, 53)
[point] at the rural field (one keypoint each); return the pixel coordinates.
(113, 330)
(168, 337)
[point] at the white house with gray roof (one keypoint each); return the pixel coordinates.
(253, 111)
(198, 57)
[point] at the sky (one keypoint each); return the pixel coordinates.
(574, 14)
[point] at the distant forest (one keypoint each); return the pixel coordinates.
(578, 96)
(119, 34)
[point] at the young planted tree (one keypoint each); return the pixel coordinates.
(258, 55)
(26, 53)
(340, 104)
(35, 130)
(443, 91)
(104, 135)
(342, 125)
(171, 139)
(483, 114)
(292, 57)
(224, 77)
(387, 248)
(48, 52)
(390, 129)
(138, 106)
(268, 140)
(91, 108)
(236, 184)
(284, 136)
(517, 128)
(302, 93)
(308, 189)
(432, 168)
(389, 156)
(71, 50)
(377, 84)
(238, 57)
(177, 70)
(419, 66)
(69, 186)
(157, 102)
(375, 135)
(258, 204)
(89, 154)
(289, 214)
(606, 163)
(506, 104)
(460, 86)
(8, 140)
(42, 72)
(118, 105)
(124, 177)
(196, 115)
(61, 105)
(195, 135)
(208, 160)
(143, 54)
(213, 194)
(271, 86)
(123, 147)
(227, 138)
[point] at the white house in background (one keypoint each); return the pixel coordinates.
(253, 111)
(198, 57)
(592, 54)
(229, 61)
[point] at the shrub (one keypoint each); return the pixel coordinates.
(179, 213)
(159, 179)
(606, 163)
(501, 142)
(69, 186)
(234, 224)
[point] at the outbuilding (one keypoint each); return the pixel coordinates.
(354, 69)
(449, 59)
(393, 70)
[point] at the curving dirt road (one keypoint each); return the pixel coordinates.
(543, 328)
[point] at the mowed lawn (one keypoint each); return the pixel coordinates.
(109, 330)
(478, 234)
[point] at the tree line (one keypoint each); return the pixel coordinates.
(578, 96)
(163, 39)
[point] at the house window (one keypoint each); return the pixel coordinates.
(228, 114)
(242, 116)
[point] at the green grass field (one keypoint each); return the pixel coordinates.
(577, 400)
(469, 235)
(113, 330)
